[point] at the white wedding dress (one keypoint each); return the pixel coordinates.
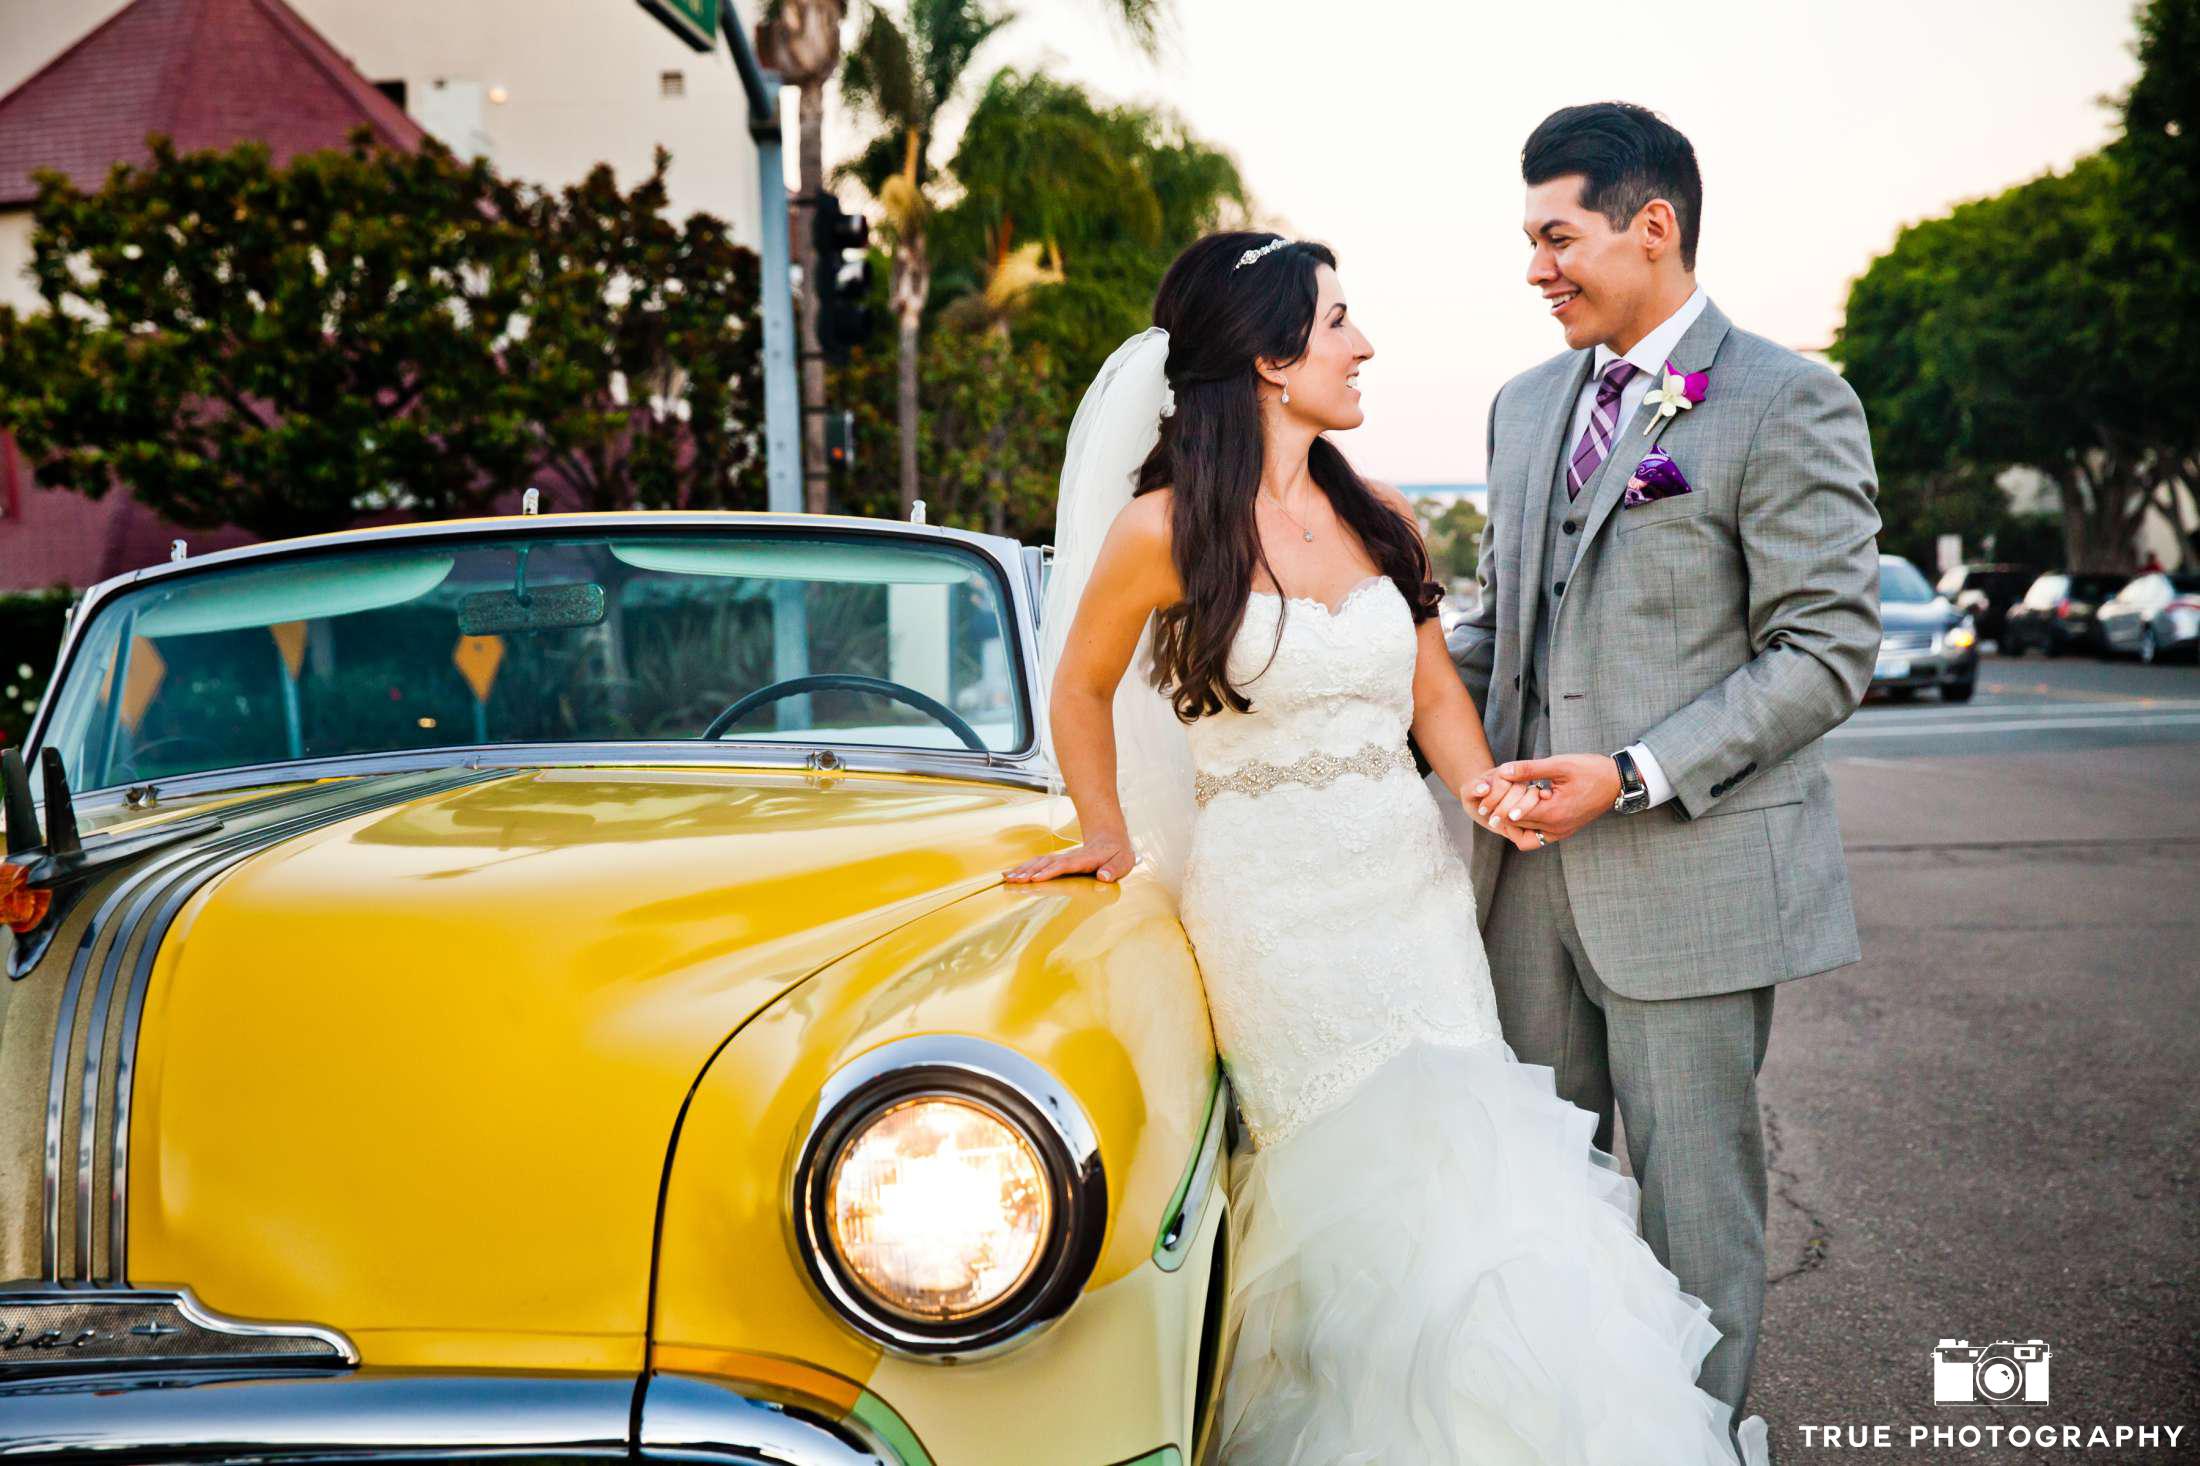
(1434, 1264)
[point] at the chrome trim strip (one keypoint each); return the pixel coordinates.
(1177, 1233)
(688, 1417)
(156, 1316)
(369, 1415)
(403, 1415)
(967, 1067)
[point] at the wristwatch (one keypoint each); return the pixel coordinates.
(1634, 794)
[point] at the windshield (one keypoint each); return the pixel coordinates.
(1899, 581)
(539, 639)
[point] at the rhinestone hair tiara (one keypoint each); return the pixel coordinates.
(1252, 255)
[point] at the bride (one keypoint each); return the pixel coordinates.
(1434, 1264)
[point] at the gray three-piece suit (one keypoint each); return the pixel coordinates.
(1728, 628)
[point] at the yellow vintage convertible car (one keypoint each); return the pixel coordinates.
(543, 986)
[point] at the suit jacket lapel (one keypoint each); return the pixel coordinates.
(1535, 504)
(1698, 344)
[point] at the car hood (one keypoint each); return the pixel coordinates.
(413, 1075)
(1917, 615)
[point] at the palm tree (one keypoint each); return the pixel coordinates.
(800, 39)
(1007, 284)
(905, 78)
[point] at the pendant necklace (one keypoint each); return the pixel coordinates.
(1287, 514)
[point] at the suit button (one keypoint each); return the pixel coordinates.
(1569, 526)
(1558, 588)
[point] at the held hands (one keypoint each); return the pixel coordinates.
(1107, 856)
(1582, 786)
(1493, 793)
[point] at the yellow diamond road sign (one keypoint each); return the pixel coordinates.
(478, 658)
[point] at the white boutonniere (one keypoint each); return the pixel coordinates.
(1676, 393)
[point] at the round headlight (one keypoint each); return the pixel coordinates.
(939, 1208)
(948, 1199)
(1963, 635)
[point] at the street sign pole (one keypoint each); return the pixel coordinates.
(782, 399)
(698, 22)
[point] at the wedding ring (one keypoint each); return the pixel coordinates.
(1539, 838)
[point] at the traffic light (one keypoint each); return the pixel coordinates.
(840, 439)
(843, 283)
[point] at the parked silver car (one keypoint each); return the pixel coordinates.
(2154, 617)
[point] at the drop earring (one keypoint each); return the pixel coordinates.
(1287, 396)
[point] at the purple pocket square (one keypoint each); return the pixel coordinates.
(1656, 477)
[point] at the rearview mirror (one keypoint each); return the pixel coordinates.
(538, 608)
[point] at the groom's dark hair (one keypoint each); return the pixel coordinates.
(1626, 155)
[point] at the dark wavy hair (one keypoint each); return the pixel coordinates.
(1221, 321)
(1626, 156)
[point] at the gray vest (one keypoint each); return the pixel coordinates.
(1561, 544)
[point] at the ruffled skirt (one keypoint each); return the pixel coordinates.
(1443, 1269)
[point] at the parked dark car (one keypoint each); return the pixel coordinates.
(1924, 641)
(2057, 614)
(2154, 618)
(1987, 592)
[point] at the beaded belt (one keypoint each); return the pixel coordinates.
(1314, 769)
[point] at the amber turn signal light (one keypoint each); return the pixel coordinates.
(21, 906)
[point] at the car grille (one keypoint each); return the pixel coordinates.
(1906, 641)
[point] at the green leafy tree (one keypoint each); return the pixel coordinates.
(2029, 329)
(1063, 216)
(288, 348)
(641, 365)
(2161, 117)
(1070, 213)
(1454, 539)
(904, 75)
(2160, 244)
(995, 416)
(2055, 325)
(280, 348)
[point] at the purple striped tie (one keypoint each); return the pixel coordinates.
(1596, 439)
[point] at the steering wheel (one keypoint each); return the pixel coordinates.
(850, 682)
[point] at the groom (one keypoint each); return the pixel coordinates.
(1678, 601)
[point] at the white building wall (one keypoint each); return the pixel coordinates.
(562, 85)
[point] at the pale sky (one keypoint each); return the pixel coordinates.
(1391, 129)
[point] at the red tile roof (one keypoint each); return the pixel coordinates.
(208, 73)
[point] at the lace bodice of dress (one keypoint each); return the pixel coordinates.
(1332, 917)
(1346, 690)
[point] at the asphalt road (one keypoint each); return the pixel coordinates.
(1986, 1129)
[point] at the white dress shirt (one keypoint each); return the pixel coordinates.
(1649, 356)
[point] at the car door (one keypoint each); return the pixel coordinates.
(2121, 617)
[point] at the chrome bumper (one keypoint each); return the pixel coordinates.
(370, 1415)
